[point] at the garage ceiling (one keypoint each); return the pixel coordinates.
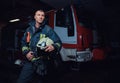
(60, 3)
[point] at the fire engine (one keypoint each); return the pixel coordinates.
(76, 35)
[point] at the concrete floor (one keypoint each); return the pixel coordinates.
(107, 71)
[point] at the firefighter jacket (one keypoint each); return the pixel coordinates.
(32, 36)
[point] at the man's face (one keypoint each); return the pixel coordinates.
(39, 16)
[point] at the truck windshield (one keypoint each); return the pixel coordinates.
(64, 19)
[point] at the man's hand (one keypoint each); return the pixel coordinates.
(30, 55)
(49, 48)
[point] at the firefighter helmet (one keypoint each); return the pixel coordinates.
(44, 42)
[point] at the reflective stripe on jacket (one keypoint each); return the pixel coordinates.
(35, 36)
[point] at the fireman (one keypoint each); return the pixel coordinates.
(34, 33)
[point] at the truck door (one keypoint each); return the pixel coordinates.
(64, 25)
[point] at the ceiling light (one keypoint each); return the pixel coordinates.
(14, 20)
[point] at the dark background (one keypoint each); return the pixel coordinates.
(105, 13)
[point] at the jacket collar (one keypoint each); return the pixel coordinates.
(32, 23)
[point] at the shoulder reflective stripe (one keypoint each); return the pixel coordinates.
(25, 48)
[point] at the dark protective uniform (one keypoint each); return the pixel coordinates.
(29, 41)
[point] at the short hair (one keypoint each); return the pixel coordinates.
(34, 12)
(39, 10)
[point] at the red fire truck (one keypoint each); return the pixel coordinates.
(77, 36)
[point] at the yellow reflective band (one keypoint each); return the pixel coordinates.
(25, 48)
